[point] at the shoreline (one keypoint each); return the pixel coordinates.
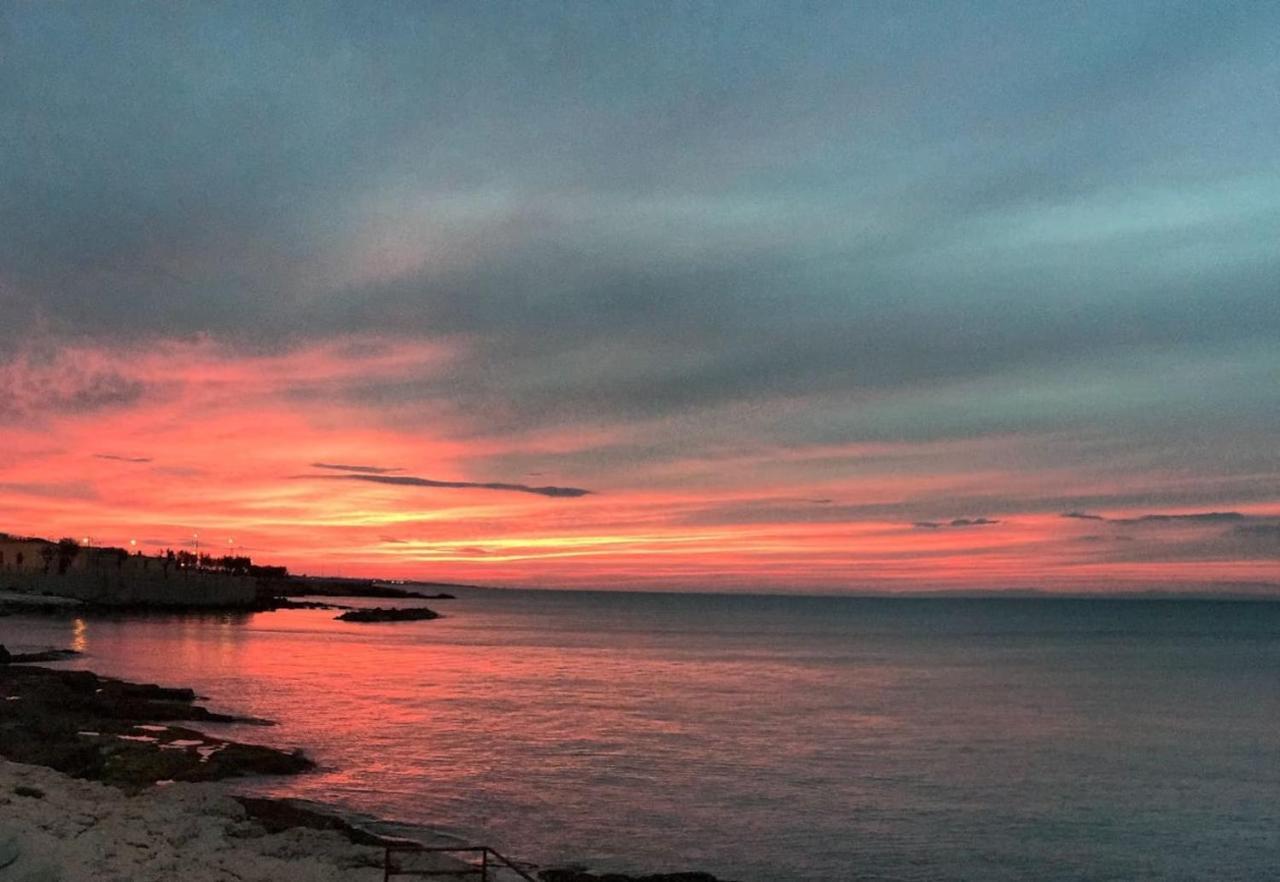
(104, 782)
(56, 827)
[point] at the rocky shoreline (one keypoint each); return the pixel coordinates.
(67, 737)
(121, 733)
(55, 828)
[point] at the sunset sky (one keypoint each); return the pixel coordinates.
(735, 296)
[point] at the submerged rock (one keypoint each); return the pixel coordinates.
(395, 614)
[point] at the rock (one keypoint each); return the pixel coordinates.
(278, 815)
(88, 727)
(47, 655)
(4, 655)
(10, 847)
(578, 875)
(21, 864)
(395, 614)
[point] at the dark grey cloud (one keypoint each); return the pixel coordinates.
(1193, 536)
(1198, 517)
(607, 202)
(362, 469)
(1242, 542)
(955, 522)
(1205, 517)
(410, 481)
(35, 388)
(1263, 531)
(117, 458)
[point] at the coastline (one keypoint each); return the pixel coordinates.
(56, 827)
(139, 798)
(97, 782)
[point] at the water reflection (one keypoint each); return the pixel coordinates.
(744, 735)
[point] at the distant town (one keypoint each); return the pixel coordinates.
(34, 570)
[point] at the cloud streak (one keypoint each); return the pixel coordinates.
(411, 481)
(1197, 517)
(361, 469)
(956, 523)
(115, 458)
(1204, 517)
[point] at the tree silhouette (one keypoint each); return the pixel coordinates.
(67, 551)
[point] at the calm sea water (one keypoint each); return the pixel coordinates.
(767, 738)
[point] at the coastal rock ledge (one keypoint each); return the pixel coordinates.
(394, 614)
(122, 733)
(58, 829)
(571, 875)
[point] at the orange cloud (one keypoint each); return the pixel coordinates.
(190, 437)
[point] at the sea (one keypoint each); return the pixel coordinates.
(762, 738)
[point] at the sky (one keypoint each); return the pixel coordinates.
(736, 296)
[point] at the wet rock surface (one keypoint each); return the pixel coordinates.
(47, 655)
(119, 733)
(572, 875)
(278, 815)
(395, 614)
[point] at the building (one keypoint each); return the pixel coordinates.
(113, 577)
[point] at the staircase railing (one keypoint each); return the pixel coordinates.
(484, 861)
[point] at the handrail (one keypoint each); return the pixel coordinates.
(481, 870)
(511, 866)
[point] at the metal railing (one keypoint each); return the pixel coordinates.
(484, 862)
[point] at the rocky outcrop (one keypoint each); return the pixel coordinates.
(378, 614)
(572, 875)
(47, 655)
(117, 732)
